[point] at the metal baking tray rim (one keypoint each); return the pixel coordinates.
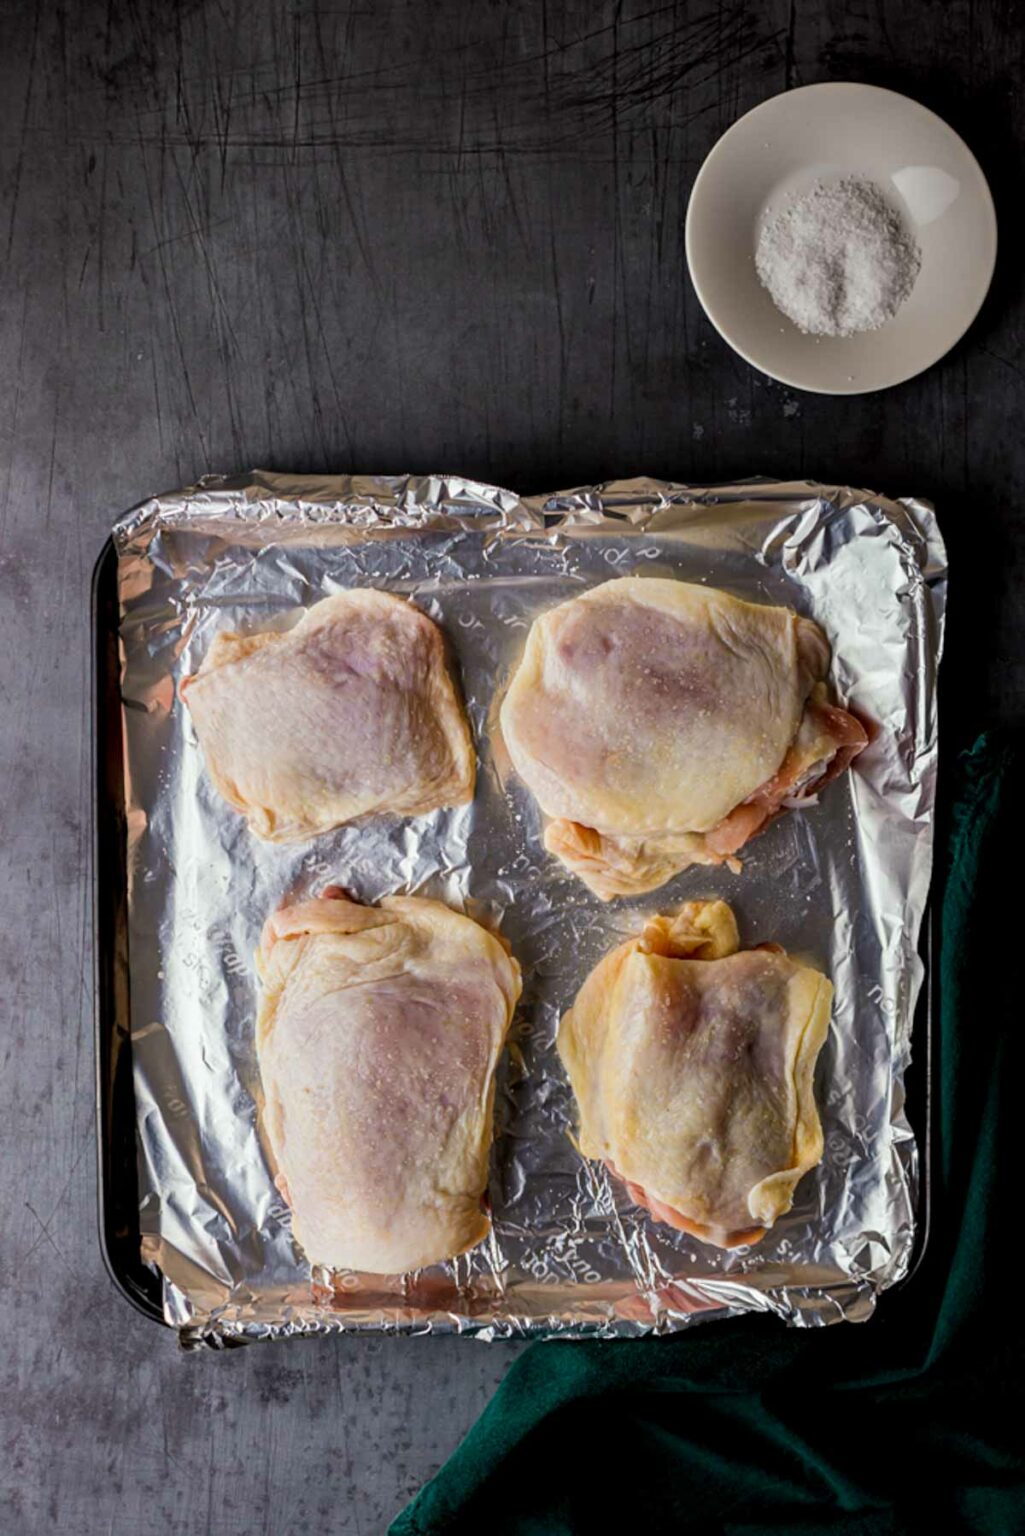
(117, 1177)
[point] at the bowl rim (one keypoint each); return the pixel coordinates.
(707, 170)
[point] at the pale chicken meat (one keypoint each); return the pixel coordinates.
(660, 724)
(378, 1034)
(692, 1062)
(351, 712)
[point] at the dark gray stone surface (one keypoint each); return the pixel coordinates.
(325, 236)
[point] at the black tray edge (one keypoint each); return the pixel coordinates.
(116, 1166)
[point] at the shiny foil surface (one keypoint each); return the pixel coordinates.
(842, 883)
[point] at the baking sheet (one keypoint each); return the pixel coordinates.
(843, 883)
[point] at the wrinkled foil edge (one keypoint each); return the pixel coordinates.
(283, 510)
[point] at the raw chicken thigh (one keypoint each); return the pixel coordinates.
(350, 712)
(692, 1062)
(378, 1034)
(660, 724)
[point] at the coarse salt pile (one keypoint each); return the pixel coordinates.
(838, 259)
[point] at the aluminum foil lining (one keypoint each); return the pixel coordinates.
(843, 883)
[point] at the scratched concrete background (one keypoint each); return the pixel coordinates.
(384, 236)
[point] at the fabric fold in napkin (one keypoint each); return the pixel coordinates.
(911, 1421)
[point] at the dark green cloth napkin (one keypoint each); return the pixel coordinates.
(913, 1421)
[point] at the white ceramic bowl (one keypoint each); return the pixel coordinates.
(824, 132)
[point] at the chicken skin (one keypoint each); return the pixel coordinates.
(349, 713)
(660, 724)
(692, 1062)
(378, 1034)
